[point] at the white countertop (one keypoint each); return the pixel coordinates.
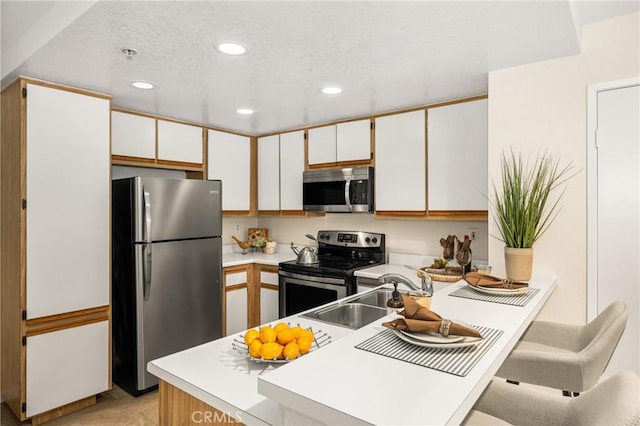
(235, 258)
(345, 385)
(225, 379)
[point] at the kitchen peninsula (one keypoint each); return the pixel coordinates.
(339, 383)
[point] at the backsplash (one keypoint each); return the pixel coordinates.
(403, 236)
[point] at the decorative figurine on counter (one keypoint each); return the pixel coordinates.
(244, 245)
(449, 246)
(463, 255)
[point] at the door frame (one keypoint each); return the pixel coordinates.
(592, 186)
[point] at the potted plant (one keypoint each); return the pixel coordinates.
(522, 208)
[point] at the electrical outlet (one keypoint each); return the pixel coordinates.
(237, 226)
(473, 233)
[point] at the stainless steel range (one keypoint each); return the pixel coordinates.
(340, 254)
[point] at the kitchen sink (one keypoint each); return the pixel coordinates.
(351, 315)
(375, 298)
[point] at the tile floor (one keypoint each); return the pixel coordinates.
(115, 407)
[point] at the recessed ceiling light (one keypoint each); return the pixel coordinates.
(141, 84)
(331, 90)
(244, 111)
(231, 48)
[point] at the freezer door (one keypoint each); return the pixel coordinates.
(181, 307)
(174, 209)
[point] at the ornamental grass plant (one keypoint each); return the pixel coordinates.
(523, 209)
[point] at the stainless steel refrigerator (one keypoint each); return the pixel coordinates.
(166, 272)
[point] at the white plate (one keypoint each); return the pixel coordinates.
(468, 341)
(500, 291)
(432, 337)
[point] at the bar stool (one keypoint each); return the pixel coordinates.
(567, 357)
(615, 401)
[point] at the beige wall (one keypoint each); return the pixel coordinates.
(544, 106)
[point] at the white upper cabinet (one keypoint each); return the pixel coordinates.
(68, 195)
(353, 140)
(133, 135)
(322, 145)
(400, 162)
(457, 155)
(291, 168)
(342, 142)
(229, 159)
(269, 173)
(179, 142)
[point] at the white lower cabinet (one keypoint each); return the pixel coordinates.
(66, 365)
(268, 294)
(236, 310)
(268, 305)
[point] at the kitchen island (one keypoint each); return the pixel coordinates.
(337, 383)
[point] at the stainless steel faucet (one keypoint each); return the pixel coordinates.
(426, 287)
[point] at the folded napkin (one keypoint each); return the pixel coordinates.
(491, 281)
(419, 319)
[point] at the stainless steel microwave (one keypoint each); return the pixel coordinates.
(348, 190)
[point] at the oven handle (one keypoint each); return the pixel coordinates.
(321, 280)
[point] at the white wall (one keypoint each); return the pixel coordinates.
(544, 105)
(402, 236)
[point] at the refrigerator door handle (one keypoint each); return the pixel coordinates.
(147, 215)
(146, 271)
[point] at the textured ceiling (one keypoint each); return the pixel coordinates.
(385, 55)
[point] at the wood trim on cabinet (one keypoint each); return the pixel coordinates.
(13, 244)
(269, 286)
(400, 214)
(253, 296)
(71, 89)
(178, 408)
(181, 165)
(268, 212)
(66, 320)
(132, 161)
(480, 215)
(236, 213)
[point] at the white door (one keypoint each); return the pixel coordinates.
(617, 211)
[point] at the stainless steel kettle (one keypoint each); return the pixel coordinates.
(306, 255)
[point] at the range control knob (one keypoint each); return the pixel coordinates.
(375, 240)
(368, 240)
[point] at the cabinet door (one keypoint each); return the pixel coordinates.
(179, 142)
(268, 305)
(133, 135)
(67, 192)
(322, 145)
(237, 312)
(291, 168)
(400, 162)
(269, 173)
(353, 141)
(67, 365)
(457, 140)
(229, 159)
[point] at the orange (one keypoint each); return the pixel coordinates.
(291, 351)
(250, 336)
(304, 343)
(280, 326)
(285, 336)
(267, 334)
(296, 330)
(254, 348)
(271, 350)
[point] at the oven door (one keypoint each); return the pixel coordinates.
(299, 292)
